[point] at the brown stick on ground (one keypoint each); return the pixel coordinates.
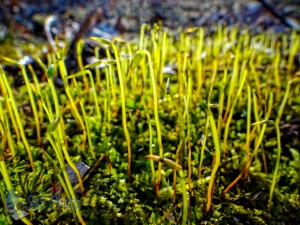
(276, 13)
(91, 20)
(91, 170)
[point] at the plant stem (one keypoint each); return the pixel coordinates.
(276, 166)
(17, 117)
(184, 198)
(122, 89)
(217, 156)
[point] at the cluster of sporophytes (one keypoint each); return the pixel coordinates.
(189, 124)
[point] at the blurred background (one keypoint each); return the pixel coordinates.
(32, 21)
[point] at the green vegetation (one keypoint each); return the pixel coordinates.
(221, 110)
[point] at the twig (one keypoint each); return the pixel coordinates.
(276, 13)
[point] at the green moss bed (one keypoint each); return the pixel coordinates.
(174, 127)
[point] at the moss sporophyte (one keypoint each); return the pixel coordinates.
(173, 128)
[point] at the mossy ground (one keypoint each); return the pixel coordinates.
(241, 78)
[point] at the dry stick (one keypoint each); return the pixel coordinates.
(91, 171)
(90, 21)
(276, 13)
